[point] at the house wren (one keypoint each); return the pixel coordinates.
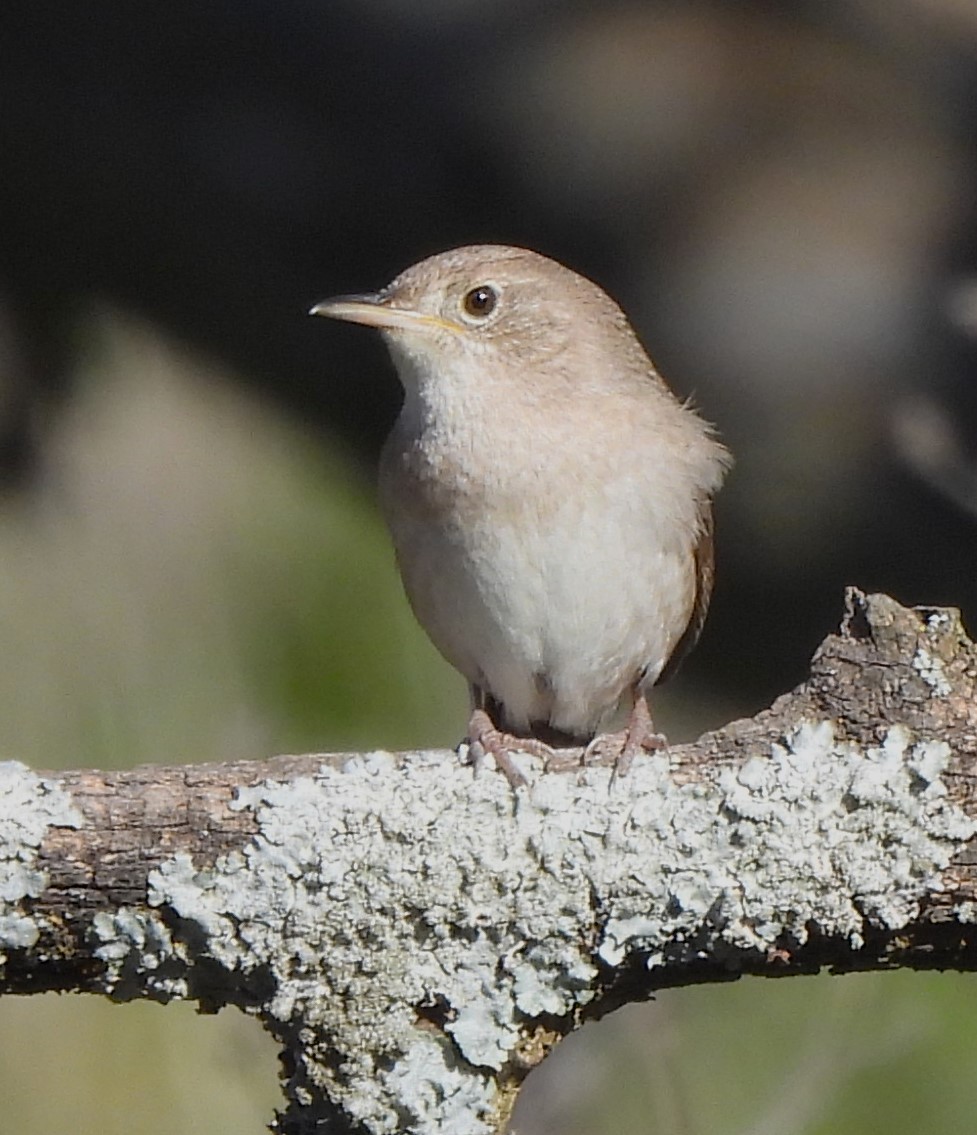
(548, 495)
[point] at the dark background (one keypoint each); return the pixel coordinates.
(781, 195)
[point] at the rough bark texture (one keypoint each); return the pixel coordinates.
(419, 936)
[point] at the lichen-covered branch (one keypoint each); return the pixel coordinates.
(419, 936)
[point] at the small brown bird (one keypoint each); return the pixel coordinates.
(548, 495)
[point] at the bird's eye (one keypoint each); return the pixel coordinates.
(480, 302)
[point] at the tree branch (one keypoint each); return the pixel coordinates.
(418, 936)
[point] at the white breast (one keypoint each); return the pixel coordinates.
(555, 611)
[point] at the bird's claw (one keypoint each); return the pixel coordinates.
(619, 749)
(484, 739)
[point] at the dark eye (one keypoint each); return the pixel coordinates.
(480, 301)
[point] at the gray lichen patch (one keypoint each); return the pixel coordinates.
(819, 833)
(139, 955)
(932, 670)
(29, 806)
(415, 918)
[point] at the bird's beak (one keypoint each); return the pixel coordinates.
(374, 310)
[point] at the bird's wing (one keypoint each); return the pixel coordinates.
(703, 556)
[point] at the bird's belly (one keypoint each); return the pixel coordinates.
(557, 617)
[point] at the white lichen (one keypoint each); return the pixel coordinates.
(385, 898)
(138, 952)
(29, 806)
(932, 670)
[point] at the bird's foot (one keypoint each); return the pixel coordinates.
(620, 749)
(565, 760)
(485, 739)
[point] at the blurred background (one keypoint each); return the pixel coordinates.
(783, 196)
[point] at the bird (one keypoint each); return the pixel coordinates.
(548, 496)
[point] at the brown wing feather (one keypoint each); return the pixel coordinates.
(705, 570)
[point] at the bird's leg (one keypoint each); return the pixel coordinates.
(620, 749)
(639, 736)
(485, 738)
